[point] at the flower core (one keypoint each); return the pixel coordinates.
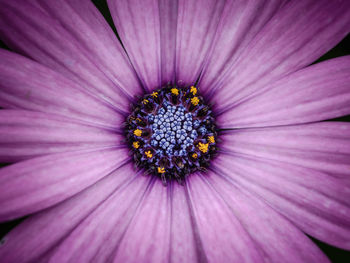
(172, 133)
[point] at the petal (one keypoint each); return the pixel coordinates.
(98, 235)
(168, 24)
(87, 243)
(273, 234)
(71, 37)
(196, 28)
(223, 237)
(38, 183)
(155, 29)
(138, 26)
(27, 134)
(240, 22)
(39, 233)
(147, 238)
(319, 92)
(315, 202)
(185, 241)
(28, 85)
(295, 37)
(320, 146)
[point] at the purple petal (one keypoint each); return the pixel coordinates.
(119, 210)
(196, 28)
(184, 237)
(240, 22)
(319, 92)
(168, 24)
(27, 134)
(26, 84)
(222, 236)
(315, 202)
(38, 183)
(39, 233)
(147, 238)
(98, 236)
(320, 146)
(73, 38)
(271, 232)
(295, 37)
(138, 26)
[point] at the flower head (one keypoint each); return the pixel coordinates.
(217, 100)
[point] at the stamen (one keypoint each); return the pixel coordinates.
(203, 147)
(193, 90)
(161, 170)
(211, 139)
(195, 101)
(137, 132)
(136, 145)
(175, 91)
(148, 154)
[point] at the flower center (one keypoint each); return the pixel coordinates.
(172, 133)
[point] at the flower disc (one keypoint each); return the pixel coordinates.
(172, 133)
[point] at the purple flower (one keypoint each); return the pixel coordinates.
(280, 171)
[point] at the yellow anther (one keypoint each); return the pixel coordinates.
(138, 119)
(161, 170)
(154, 94)
(211, 139)
(175, 91)
(193, 89)
(203, 147)
(136, 145)
(195, 155)
(195, 101)
(137, 132)
(149, 154)
(145, 101)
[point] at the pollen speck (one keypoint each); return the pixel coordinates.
(195, 101)
(193, 89)
(195, 155)
(148, 154)
(137, 132)
(175, 91)
(161, 170)
(136, 145)
(211, 139)
(203, 147)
